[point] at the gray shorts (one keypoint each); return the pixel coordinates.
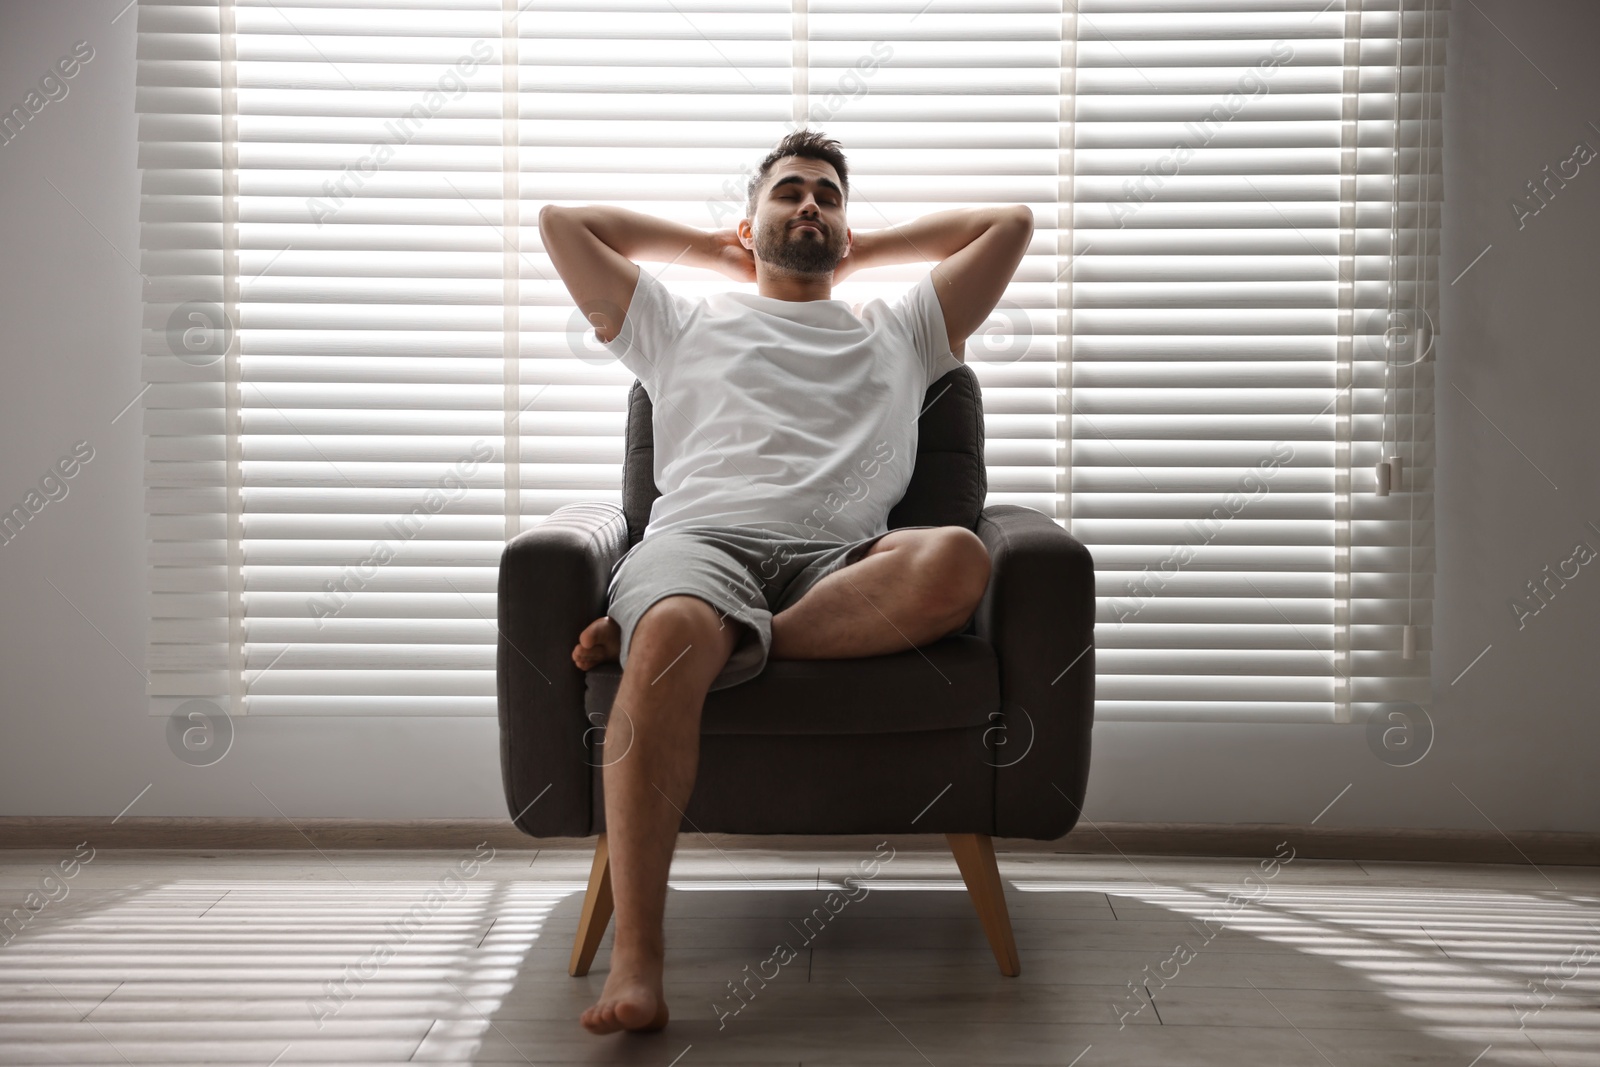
(747, 573)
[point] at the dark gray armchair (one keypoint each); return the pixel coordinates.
(982, 734)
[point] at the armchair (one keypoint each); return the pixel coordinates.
(983, 733)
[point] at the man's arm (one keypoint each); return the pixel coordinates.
(593, 248)
(977, 251)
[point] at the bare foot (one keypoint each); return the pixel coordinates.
(631, 1000)
(600, 642)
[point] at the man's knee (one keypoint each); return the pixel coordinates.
(680, 615)
(957, 567)
(674, 623)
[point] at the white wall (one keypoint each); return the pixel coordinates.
(1517, 735)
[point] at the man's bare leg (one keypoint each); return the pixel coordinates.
(651, 753)
(912, 587)
(889, 601)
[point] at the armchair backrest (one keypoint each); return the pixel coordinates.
(948, 483)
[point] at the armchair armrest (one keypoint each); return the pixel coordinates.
(1038, 614)
(553, 581)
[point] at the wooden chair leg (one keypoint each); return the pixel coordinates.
(975, 856)
(596, 912)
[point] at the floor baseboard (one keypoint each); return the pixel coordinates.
(1148, 839)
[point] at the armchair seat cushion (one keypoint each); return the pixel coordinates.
(951, 683)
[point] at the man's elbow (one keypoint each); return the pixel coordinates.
(550, 214)
(1019, 220)
(561, 215)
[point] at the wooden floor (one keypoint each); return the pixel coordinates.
(232, 957)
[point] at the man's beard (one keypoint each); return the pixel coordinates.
(795, 252)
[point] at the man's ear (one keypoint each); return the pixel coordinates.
(746, 236)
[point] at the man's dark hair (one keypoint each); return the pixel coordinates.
(809, 143)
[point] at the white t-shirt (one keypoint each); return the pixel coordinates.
(799, 416)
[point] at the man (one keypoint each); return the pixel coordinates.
(785, 429)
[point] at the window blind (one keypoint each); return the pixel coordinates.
(326, 478)
(1255, 232)
(364, 374)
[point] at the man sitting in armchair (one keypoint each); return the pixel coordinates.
(785, 426)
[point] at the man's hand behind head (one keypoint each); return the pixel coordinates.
(733, 258)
